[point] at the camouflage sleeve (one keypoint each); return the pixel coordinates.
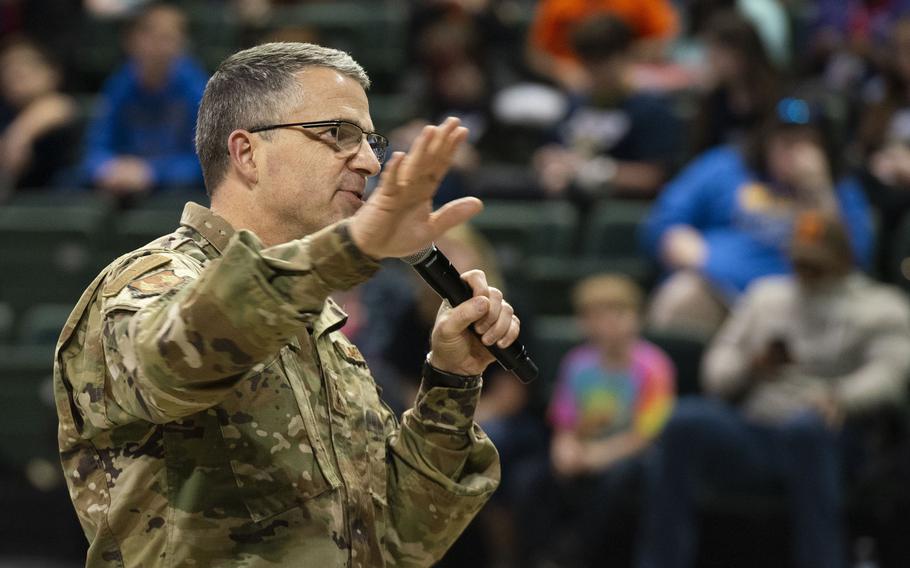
(177, 343)
(443, 469)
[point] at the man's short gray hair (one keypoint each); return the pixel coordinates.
(251, 88)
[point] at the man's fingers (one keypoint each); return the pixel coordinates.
(455, 139)
(501, 326)
(477, 280)
(512, 334)
(454, 213)
(388, 181)
(493, 315)
(463, 315)
(439, 142)
(417, 153)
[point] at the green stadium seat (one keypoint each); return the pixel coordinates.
(137, 227)
(519, 229)
(613, 229)
(547, 281)
(686, 352)
(375, 36)
(49, 250)
(28, 420)
(41, 324)
(553, 337)
(7, 317)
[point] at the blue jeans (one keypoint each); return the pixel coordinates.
(708, 443)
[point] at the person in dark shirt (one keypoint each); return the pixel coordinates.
(742, 83)
(613, 139)
(142, 137)
(38, 124)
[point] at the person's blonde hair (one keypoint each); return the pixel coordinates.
(607, 289)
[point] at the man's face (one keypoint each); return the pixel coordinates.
(816, 273)
(305, 183)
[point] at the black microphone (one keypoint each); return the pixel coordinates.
(438, 272)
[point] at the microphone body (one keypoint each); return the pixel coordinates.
(438, 272)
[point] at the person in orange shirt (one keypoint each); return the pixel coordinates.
(654, 23)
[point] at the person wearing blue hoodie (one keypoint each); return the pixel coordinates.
(141, 139)
(727, 218)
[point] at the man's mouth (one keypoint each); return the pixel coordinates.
(357, 193)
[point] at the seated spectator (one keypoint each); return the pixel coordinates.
(614, 139)
(726, 219)
(884, 139)
(142, 138)
(798, 355)
(741, 84)
(39, 126)
(611, 399)
(550, 51)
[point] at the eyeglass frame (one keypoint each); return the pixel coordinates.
(336, 124)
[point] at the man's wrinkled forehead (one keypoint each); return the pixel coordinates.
(327, 94)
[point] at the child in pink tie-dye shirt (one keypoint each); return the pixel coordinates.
(612, 397)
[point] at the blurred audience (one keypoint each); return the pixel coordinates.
(727, 218)
(612, 397)
(39, 125)
(845, 38)
(654, 23)
(884, 140)
(741, 84)
(761, 235)
(615, 140)
(798, 355)
(141, 139)
(112, 8)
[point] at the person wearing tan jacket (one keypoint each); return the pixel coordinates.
(798, 355)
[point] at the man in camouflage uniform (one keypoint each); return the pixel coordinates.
(211, 413)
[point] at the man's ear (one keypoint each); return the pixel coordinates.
(242, 149)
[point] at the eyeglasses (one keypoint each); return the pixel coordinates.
(347, 136)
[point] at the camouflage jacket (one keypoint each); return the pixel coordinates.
(211, 414)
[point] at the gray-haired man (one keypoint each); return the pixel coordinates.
(211, 413)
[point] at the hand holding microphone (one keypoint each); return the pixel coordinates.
(398, 219)
(439, 273)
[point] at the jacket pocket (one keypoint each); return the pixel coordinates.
(272, 451)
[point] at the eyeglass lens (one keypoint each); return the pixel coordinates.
(349, 136)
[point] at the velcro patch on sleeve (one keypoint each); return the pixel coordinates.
(138, 268)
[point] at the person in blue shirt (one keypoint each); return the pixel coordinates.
(727, 218)
(141, 139)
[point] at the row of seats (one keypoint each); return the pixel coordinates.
(374, 36)
(53, 244)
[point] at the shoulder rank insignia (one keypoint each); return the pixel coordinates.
(156, 283)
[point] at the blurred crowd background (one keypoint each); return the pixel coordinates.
(698, 207)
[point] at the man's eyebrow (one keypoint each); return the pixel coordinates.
(353, 121)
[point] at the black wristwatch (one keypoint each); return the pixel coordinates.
(434, 377)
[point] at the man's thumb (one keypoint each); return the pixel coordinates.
(466, 313)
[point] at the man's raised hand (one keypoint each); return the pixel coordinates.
(398, 218)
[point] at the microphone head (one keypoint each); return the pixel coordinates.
(420, 255)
